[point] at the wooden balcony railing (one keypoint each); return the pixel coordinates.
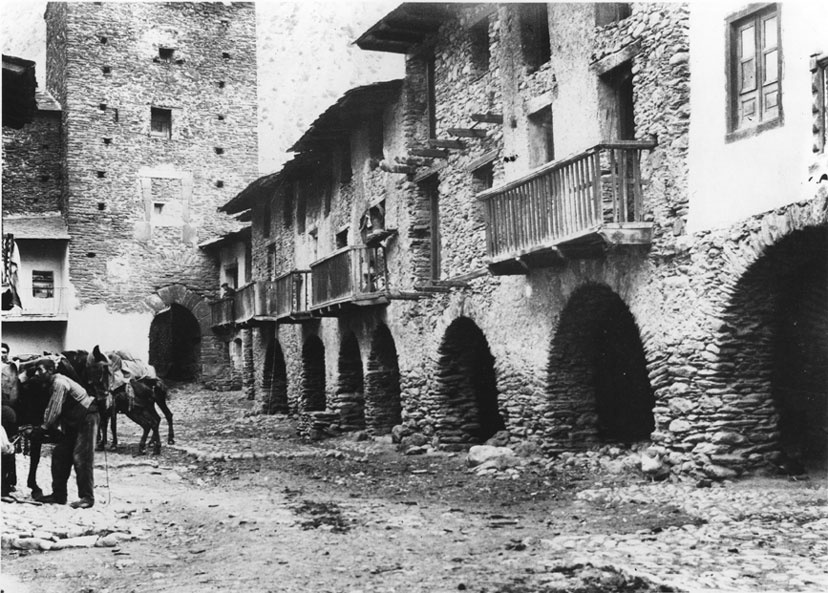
(355, 274)
(251, 301)
(564, 200)
(223, 312)
(287, 296)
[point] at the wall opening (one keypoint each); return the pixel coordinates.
(175, 344)
(275, 380)
(466, 386)
(598, 384)
(775, 343)
(383, 407)
(350, 394)
(313, 375)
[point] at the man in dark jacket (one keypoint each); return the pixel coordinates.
(73, 414)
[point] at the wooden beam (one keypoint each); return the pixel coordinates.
(487, 118)
(467, 132)
(429, 152)
(455, 144)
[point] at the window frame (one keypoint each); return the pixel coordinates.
(754, 14)
(43, 284)
(154, 111)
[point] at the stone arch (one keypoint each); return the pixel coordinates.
(466, 387)
(175, 305)
(274, 381)
(313, 375)
(383, 406)
(597, 378)
(175, 344)
(350, 396)
(772, 346)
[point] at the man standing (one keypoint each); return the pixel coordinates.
(75, 413)
(10, 393)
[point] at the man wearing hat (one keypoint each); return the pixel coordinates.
(73, 414)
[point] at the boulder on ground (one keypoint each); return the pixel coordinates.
(494, 456)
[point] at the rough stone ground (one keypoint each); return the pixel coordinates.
(241, 504)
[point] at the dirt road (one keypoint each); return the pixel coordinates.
(347, 516)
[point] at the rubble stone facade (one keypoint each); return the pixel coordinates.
(692, 342)
(159, 129)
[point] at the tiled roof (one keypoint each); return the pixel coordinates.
(50, 225)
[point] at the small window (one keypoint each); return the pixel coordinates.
(541, 141)
(161, 122)
(483, 177)
(219, 183)
(221, 84)
(166, 54)
(480, 52)
(755, 63)
(158, 209)
(104, 40)
(225, 55)
(300, 214)
(107, 70)
(100, 174)
(534, 35)
(219, 150)
(43, 284)
(342, 239)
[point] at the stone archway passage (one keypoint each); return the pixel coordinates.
(383, 408)
(597, 374)
(275, 380)
(466, 386)
(350, 390)
(775, 342)
(313, 375)
(175, 344)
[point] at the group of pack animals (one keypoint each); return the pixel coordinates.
(94, 371)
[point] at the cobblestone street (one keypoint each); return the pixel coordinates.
(241, 502)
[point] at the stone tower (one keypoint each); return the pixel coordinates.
(159, 129)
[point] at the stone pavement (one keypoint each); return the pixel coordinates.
(757, 534)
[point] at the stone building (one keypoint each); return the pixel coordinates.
(158, 121)
(550, 227)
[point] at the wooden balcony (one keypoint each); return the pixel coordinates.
(223, 312)
(352, 276)
(568, 208)
(252, 303)
(288, 296)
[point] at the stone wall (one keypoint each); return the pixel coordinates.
(31, 166)
(677, 343)
(108, 64)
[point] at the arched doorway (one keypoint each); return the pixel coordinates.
(350, 390)
(275, 380)
(175, 344)
(597, 375)
(466, 386)
(383, 409)
(313, 375)
(775, 343)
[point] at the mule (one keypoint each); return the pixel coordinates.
(139, 405)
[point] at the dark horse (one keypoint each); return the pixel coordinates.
(32, 402)
(136, 398)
